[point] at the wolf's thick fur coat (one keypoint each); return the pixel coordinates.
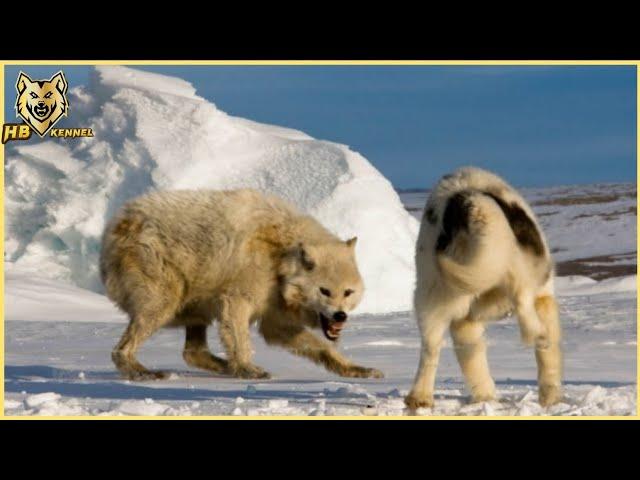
(481, 254)
(185, 258)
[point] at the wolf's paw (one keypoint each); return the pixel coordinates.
(549, 395)
(373, 373)
(356, 371)
(413, 401)
(249, 371)
(146, 375)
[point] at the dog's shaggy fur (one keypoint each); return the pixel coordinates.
(185, 258)
(481, 254)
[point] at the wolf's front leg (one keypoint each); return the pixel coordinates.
(300, 341)
(235, 316)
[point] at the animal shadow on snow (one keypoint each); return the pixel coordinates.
(35, 379)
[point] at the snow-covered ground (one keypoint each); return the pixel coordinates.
(59, 338)
(155, 132)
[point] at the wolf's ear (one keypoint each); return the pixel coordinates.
(352, 242)
(23, 82)
(305, 259)
(60, 82)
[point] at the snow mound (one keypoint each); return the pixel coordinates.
(154, 132)
(29, 297)
(575, 285)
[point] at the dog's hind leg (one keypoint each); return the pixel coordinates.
(532, 332)
(433, 321)
(471, 351)
(549, 352)
(196, 352)
(470, 345)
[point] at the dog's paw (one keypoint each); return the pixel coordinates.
(413, 401)
(250, 372)
(483, 398)
(549, 395)
(483, 393)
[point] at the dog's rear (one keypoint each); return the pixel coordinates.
(480, 253)
(466, 253)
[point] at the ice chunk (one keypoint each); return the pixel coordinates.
(596, 395)
(33, 401)
(277, 404)
(145, 407)
(12, 404)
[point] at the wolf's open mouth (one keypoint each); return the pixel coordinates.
(41, 111)
(330, 328)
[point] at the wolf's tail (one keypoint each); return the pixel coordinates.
(472, 249)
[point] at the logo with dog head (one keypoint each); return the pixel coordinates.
(41, 103)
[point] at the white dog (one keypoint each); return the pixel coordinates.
(481, 254)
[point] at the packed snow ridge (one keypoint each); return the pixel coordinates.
(154, 132)
(352, 401)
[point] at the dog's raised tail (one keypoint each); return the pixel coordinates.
(470, 250)
(464, 277)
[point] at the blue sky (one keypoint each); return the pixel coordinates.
(533, 125)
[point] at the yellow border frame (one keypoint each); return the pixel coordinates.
(635, 63)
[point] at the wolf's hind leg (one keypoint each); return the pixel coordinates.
(139, 329)
(151, 305)
(471, 351)
(235, 316)
(196, 352)
(549, 353)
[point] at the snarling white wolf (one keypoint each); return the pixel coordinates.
(187, 258)
(480, 255)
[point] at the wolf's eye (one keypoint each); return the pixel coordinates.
(326, 292)
(33, 95)
(48, 95)
(348, 292)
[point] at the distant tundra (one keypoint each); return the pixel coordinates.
(189, 258)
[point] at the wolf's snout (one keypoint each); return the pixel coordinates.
(340, 316)
(41, 103)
